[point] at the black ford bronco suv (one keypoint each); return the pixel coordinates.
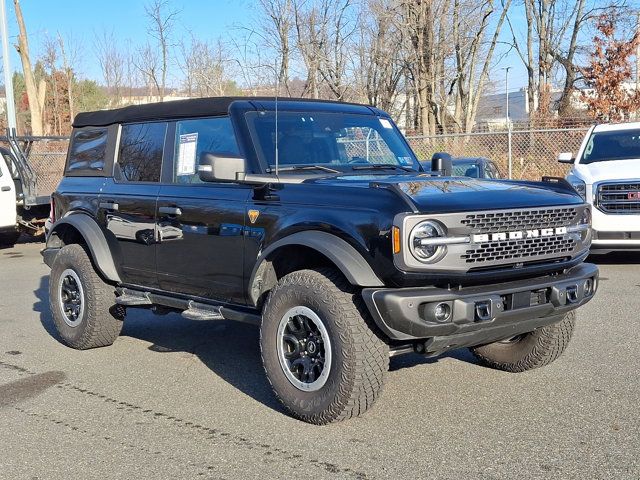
(314, 220)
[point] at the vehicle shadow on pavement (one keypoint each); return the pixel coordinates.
(413, 359)
(42, 307)
(615, 258)
(229, 349)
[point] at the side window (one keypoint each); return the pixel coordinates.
(87, 150)
(140, 152)
(193, 137)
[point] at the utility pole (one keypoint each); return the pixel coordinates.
(8, 77)
(508, 121)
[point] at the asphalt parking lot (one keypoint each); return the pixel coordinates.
(174, 398)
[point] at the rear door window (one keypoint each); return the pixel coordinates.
(87, 151)
(193, 138)
(140, 152)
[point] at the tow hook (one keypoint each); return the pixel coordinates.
(572, 293)
(483, 311)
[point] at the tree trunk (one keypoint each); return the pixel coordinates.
(35, 95)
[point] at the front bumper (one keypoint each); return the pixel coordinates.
(480, 314)
(614, 231)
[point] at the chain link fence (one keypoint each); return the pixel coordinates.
(47, 159)
(533, 152)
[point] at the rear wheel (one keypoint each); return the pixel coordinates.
(83, 305)
(320, 351)
(529, 350)
(9, 239)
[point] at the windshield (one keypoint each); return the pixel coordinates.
(619, 145)
(329, 140)
(466, 169)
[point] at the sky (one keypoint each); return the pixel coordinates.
(81, 20)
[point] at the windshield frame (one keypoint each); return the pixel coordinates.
(594, 134)
(265, 167)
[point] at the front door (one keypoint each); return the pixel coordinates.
(7, 197)
(127, 205)
(200, 226)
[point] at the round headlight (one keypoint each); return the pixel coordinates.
(421, 241)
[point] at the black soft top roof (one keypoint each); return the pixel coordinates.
(193, 107)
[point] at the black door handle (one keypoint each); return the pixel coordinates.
(109, 205)
(170, 210)
(6, 189)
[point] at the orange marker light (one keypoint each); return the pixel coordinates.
(395, 232)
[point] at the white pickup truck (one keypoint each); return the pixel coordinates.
(606, 172)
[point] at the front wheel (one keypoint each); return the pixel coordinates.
(320, 351)
(530, 350)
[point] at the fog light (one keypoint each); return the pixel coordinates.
(588, 287)
(442, 312)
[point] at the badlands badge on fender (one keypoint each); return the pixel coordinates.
(253, 215)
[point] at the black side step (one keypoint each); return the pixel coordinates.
(193, 309)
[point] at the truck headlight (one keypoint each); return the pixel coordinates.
(425, 241)
(580, 187)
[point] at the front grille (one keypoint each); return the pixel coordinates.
(619, 198)
(555, 245)
(516, 220)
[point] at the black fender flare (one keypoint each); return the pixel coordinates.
(348, 260)
(93, 237)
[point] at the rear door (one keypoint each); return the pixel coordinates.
(127, 206)
(201, 225)
(7, 197)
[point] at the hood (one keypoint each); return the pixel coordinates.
(456, 194)
(591, 173)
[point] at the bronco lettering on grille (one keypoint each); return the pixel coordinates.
(517, 235)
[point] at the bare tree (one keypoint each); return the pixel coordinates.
(70, 56)
(474, 48)
(340, 21)
(113, 64)
(380, 70)
(276, 32)
(162, 23)
(552, 38)
(35, 91)
(149, 64)
(205, 67)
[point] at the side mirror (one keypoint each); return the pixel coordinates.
(441, 162)
(222, 167)
(566, 157)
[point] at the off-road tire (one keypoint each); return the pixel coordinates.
(531, 350)
(360, 358)
(9, 239)
(102, 319)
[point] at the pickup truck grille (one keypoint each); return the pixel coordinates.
(619, 198)
(519, 220)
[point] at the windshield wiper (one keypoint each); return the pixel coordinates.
(305, 167)
(380, 166)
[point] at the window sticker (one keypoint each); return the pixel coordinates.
(385, 123)
(187, 154)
